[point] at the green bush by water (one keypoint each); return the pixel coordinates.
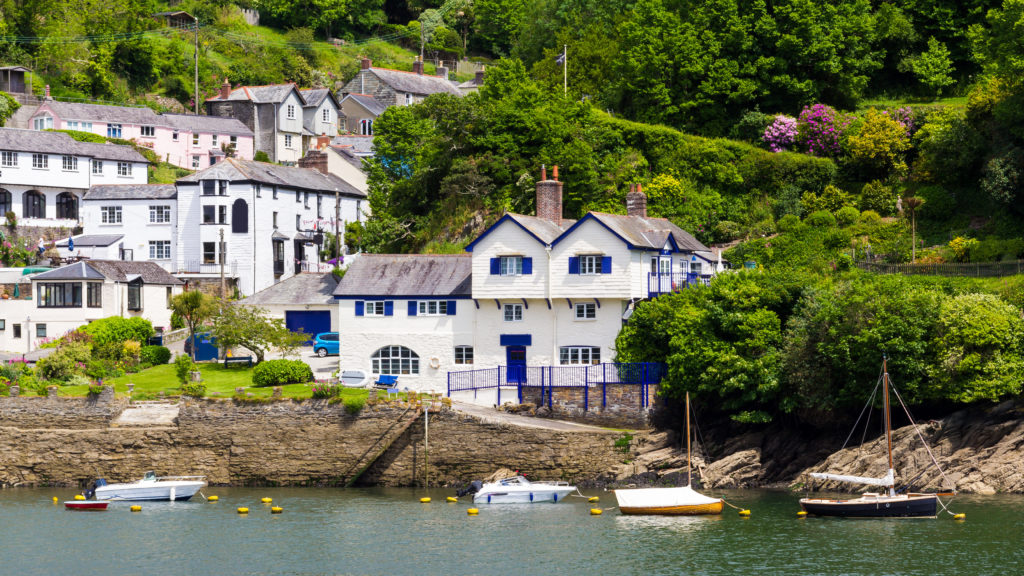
(278, 372)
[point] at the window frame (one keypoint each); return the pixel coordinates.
(408, 361)
(160, 214)
(516, 312)
(94, 294)
(579, 355)
(40, 330)
(97, 166)
(290, 111)
(124, 169)
(288, 141)
(588, 309)
(111, 215)
(374, 308)
(147, 131)
(69, 163)
(58, 294)
(590, 264)
(159, 249)
(40, 161)
(440, 308)
(135, 296)
(464, 355)
(510, 265)
(114, 130)
(8, 159)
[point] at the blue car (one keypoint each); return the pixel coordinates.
(326, 343)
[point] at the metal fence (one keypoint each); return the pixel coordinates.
(667, 282)
(975, 269)
(589, 378)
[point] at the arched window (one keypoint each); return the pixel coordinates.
(67, 206)
(33, 204)
(240, 217)
(395, 360)
(5, 202)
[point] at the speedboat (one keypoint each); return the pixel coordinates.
(151, 487)
(519, 490)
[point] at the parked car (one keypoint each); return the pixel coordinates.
(326, 343)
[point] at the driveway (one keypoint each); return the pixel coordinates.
(489, 414)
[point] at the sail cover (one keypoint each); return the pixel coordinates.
(661, 497)
(888, 480)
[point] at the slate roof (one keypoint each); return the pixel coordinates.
(260, 94)
(366, 101)
(132, 192)
(415, 83)
(116, 270)
(542, 228)
(236, 170)
(360, 145)
(104, 113)
(648, 232)
(93, 240)
(407, 275)
(298, 290)
(315, 96)
(208, 124)
(20, 140)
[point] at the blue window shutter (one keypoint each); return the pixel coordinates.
(389, 308)
(359, 307)
(495, 266)
(574, 265)
(606, 265)
(451, 307)
(413, 307)
(527, 265)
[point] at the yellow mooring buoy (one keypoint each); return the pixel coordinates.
(243, 510)
(960, 516)
(453, 499)
(54, 499)
(425, 500)
(593, 499)
(79, 497)
(276, 509)
(745, 513)
(596, 511)
(136, 508)
(212, 498)
(801, 514)
(472, 511)
(266, 500)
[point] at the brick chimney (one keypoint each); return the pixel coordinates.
(636, 201)
(365, 64)
(225, 90)
(442, 72)
(316, 160)
(549, 197)
(417, 66)
(46, 93)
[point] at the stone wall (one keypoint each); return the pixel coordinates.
(615, 405)
(62, 441)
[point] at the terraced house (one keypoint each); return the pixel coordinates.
(532, 290)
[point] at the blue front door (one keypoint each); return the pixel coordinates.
(515, 357)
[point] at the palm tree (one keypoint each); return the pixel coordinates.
(913, 203)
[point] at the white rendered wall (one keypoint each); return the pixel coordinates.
(509, 239)
(138, 231)
(591, 238)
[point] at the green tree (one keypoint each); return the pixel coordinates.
(195, 308)
(933, 67)
(879, 147)
(694, 210)
(252, 328)
(8, 106)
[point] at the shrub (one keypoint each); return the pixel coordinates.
(941, 203)
(875, 195)
(65, 362)
(154, 355)
(821, 219)
(78, 380)
(787, 223)
(354, 404)
(727, 230)
(963, 247)
(821, 129)
(878, 149)
(847, 216)
(751, 126)
(196, 389)
(183, 364)
(832, 198)
(177, 322)
(781, 134)
(261, 156)
(325, 390)
(130, 350)
(11, 371)
(5, 388)
(96, 389)
(870, 217)
(279, 372)
(116, 329)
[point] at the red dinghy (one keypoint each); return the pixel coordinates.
(85, 505)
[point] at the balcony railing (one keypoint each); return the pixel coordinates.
(666, 283)
(200, 267)
(307, 266)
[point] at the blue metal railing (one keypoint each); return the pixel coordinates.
(547, 378)
(665, 283)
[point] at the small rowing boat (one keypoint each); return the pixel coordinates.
(85, 505)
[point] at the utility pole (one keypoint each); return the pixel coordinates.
(337, 225)
(195, 27)
(222, 253)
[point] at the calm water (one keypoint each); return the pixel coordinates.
(387, 531)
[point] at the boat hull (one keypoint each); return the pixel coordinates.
(523, 497)
(151, 491)
(682, 510)
(914, 506)
(85, 505)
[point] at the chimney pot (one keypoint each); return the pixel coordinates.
(225, 89)
(543, 172)
(636, 202)
(478, 79)
(366, 64)
(555, 175)
(417, 66)
(549, 199)
(47, 92)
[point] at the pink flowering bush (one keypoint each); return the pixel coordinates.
(904, 116)
(781, 134)
(821, 130)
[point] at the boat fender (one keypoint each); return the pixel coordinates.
(243, 510)
(960, 516)
(79, 497)
(593, 499)
(531, 496)
(801, 514)
(472, 511)
(424, 500)
(555, 496)
(596, 511)
(745, 513)
(276, 509)
(452, 499)
(488, 498)
(136, 508)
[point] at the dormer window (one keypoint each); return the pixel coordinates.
(590, 264)
(511, 266)
(291, 111)
(43, 123)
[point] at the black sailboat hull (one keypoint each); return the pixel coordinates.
(915, 506)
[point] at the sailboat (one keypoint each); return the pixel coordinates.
(678, 501)
(887, 504)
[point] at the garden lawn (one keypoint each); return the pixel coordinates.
(220, 382)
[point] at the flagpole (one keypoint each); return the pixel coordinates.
(565, 70)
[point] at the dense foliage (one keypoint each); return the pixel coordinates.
(280, 372)
(763, 345)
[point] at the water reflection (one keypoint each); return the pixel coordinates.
(677, 524)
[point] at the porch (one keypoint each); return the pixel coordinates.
(659, 283)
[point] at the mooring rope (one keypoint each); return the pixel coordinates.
(921, 436)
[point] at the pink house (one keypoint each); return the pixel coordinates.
(187, 141)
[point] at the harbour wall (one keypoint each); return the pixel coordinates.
(70, 441)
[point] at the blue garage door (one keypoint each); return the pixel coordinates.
(311, 322)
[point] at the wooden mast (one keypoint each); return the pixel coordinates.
(689, 481)
(888, 422)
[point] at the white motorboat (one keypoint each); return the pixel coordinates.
(519, 490)
(151, 487)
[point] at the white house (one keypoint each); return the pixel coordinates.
(544, 291)
(320, 113)
(142, 217)
(74, 295)
(274, 113)
(305, 302)
(43, 175)
(185, 140)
